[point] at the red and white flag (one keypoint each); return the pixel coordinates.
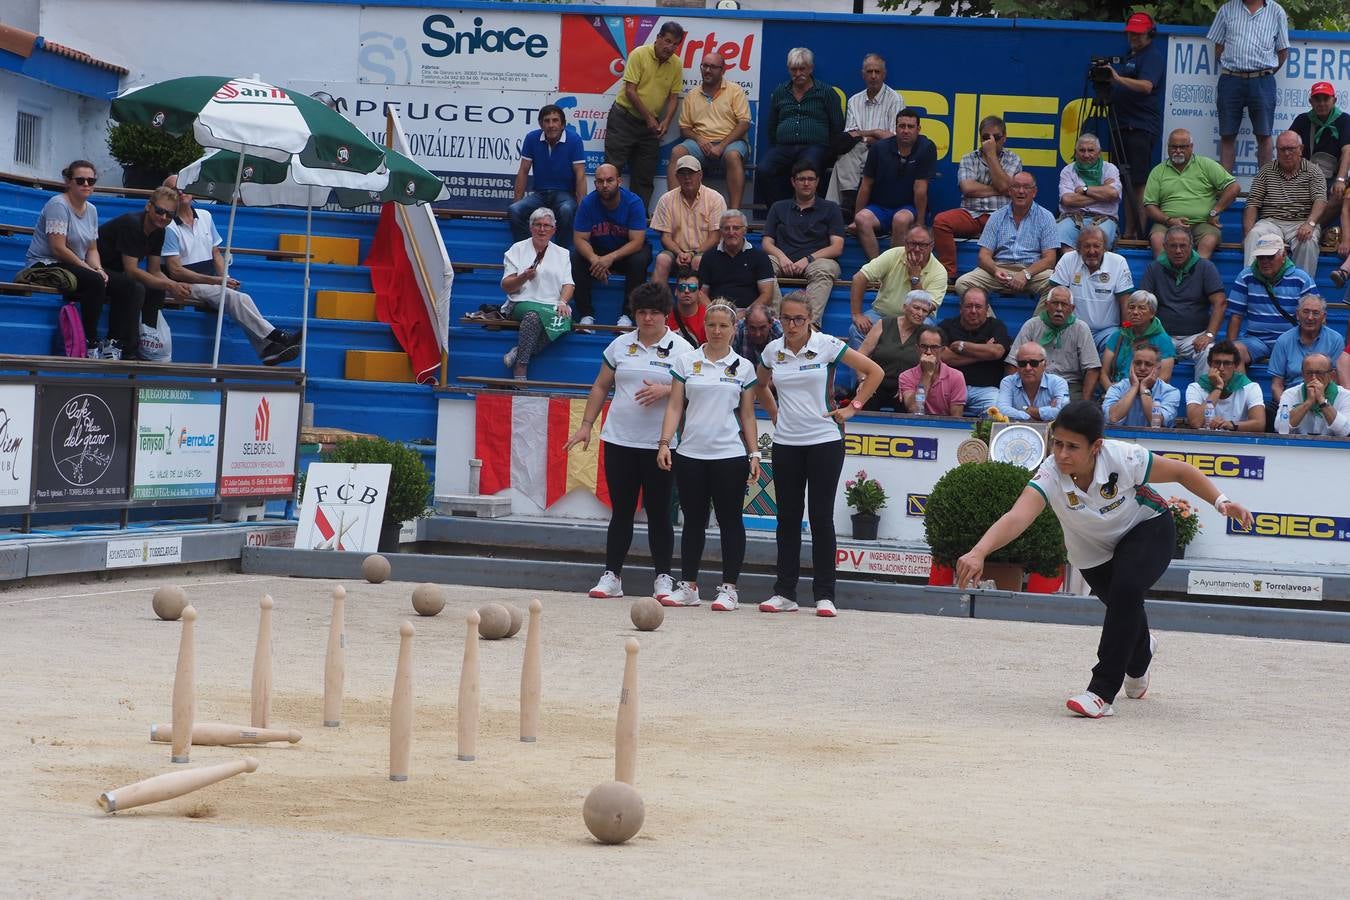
(412, 276)
(520, 441)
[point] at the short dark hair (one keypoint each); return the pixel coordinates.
(1146, 345)
(933, 329)
(908, 112)
(1082, 417)
(674, 28)
(69, 171)
(651, 295)
(796, 297)
(1226, 347)
(684, 272)
(549, 109)
(805, 165)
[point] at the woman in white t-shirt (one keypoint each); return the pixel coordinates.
(66, 236)
(712, 404)
(808, 445)
(637, 368)
(1119, 534)
(537, 278)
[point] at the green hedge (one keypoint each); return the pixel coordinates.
(970, 498)
(409, 481)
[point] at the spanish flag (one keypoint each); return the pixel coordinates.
(520, 441)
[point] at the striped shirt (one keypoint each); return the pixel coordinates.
(1251, 299)
(687, 223)
(873, 113)
(1250, 40)
(1020, 244)
(814, 119)
(1283, 198)
(974, 168)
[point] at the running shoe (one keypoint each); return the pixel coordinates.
(663, 588)
(1089, 705)
(1136, 688)
(509, 359)
(727, 599)
(610, 586)
(778, 603)
(685, 594)
(825, 609)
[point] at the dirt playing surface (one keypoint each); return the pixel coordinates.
(875, 754)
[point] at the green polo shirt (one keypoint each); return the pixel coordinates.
(1190, 193)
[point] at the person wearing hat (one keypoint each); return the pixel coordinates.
(1251, 43)
(1265, 295)
(1325, 133)
(1286, 199)
(688, 220)
(1137, 98)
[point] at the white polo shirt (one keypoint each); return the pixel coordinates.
(803, 381)
(712, 390)
(629, 423)
(193, 243)
(1233, 407)
(1094, 520)
(1094, 293)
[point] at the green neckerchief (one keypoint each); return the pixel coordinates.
(1054, 333)
(1331, 389)
(1236, 383)
(1185, 269)
(1256, 272)
(1092, 175)
(1323, 125)
(1125, 341)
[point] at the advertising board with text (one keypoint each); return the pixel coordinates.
(84, 452)
(259, 454)
(177, 444)
(16, 443)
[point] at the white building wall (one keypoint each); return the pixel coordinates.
(72, 128)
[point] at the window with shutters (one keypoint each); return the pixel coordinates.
(28, 139)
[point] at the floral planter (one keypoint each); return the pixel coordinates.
(865, 526)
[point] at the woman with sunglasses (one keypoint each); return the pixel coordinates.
(1118, 531)
(713, 406)
(66, 237)
(808, 445)
(636, 366)
(686, 318)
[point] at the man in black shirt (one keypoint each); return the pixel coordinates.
(735, 270)
(804, 238)
(1137, 98)
(135, 294)
(976, 344)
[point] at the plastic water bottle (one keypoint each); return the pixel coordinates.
(920, 397)
(1157, 415)
(1209, 413)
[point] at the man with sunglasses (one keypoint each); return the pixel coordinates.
(136, 294)
(1318, 406)
(1032, 393)
(984, 178)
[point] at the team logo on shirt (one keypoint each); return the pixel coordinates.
(811, 354)
(1077, 277)
(663, 352)
(1103, 277)
(1072, 499)
(780, 356)
(1109, 489)
(632, 349)
(697, 367)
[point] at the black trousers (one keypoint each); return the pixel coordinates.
(628, 470)
(130, 303)
(89, 294)
(1141, 557)
(628, 142)
(632, 268)
(805, 480)
(720, 482)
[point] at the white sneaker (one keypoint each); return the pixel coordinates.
(1090, 706)
(610, 586)
(663, 588)
(584, 323)
(685, 594)
(825, 609)
(778, 603)
(727, 599)
(1136, 688)
(509, 358)
(624, 322)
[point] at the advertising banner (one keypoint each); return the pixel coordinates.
(457, 48)
(85, 444)
(153, 551)
(258, 458)
(1263, 586)
(177, 444)
(343, 507)
(16, 443)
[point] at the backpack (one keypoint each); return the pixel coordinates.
(72, 330)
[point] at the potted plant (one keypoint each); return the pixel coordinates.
(970, 498)
(148, 155)
(868, 497)
(1187, 522)
(409, 482)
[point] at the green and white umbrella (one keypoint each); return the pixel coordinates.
(251, 118)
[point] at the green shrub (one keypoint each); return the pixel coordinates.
(970, 498)
(141, 145)
(409, 481)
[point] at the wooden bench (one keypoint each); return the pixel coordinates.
(522, 384)
(15, 289)
(8, 230)
(269, 254)
(497, 324)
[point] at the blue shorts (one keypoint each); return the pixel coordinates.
(718, 163)
(885, 214)
(1258, 348)
(1256, 95)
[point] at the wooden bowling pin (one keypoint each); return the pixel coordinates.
(184, 690)
(219, 734)
(467, 714)
(173, 784)
(335, 662)
(401, 713)
(626, 728)
(530, 687)
(262, 666)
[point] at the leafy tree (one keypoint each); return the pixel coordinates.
(1311, 15)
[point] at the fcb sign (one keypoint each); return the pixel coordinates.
(259, 452)
(343, 506)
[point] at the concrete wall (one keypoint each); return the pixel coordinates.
(72, 127)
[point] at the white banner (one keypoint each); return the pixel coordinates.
(177, 444)
(883, 562)
(456, 48)
(16, 444)
(343, 507)
(1238, 584)
(1192, 87)
(258, 459)
(153, 551)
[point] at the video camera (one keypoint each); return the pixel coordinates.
(1100, 68)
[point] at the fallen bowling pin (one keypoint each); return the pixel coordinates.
(220, 734)
(171, 785)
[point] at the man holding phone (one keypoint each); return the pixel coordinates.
(984, 177)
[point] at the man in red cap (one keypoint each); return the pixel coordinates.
(1137, 98)
(1325, 133)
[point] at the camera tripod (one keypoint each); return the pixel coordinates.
(1096, 108)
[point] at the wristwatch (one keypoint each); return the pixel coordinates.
(1322, 405)
(856, 404)
(1146, 392)
(1210, 335)
(1213, 213)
